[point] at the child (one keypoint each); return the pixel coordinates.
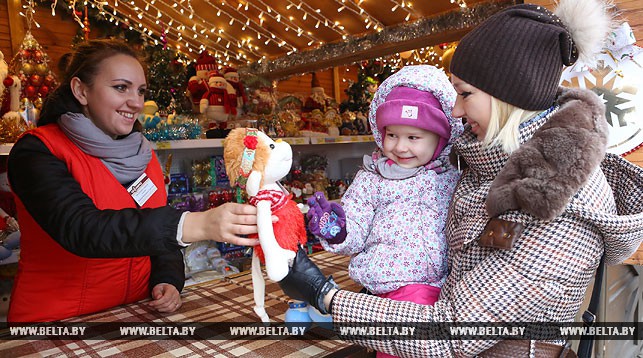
(396, 208)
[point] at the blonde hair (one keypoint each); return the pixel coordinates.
(505, 119)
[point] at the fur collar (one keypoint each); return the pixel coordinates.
(542, 175)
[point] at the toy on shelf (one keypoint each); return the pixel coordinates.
(255, 163)
(371, 88)
(198, 84)
(239, 98)
(318, 98)
(215, 103)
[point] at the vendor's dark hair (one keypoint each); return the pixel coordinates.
(85, 64)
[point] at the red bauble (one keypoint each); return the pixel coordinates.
(8, 82)
(26, 54)
(49, 80)
(43, 91)
(37, 55)
(35, 80)
(31, 92)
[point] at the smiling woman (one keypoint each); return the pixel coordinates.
(96, 229)
(112, 102)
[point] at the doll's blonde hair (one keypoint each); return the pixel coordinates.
(233, 147)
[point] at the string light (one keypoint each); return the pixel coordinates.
(256, 19)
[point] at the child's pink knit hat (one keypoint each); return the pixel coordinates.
(412, 107)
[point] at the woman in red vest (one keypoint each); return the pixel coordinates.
(96, 228)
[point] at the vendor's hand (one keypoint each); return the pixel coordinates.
(12, 224)
(326, 219)
(225, 223)
(165, 298)
(306, 282)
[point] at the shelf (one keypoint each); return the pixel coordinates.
(342, 139)
(218, 143)
(188, 144)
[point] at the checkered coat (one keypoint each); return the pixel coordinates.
(574, 208)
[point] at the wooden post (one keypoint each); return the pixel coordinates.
(336, 93)
(16, 24)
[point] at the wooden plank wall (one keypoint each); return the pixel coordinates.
(301, 85)
(54, 35)
(5, 33)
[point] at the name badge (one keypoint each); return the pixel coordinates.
(142, 189)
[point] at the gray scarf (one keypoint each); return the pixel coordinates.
(126, 158)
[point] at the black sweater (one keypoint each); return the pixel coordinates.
(57, 203)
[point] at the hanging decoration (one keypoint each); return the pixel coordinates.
(467, 17)
(86, 30)
(31, 66)
(11, 123)
(618, 79)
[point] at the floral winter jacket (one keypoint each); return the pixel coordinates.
(573, 211)
(395, 229)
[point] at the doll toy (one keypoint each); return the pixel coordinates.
(255, 163)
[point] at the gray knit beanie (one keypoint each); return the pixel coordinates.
(516, 55)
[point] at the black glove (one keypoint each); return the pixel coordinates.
(306, 282)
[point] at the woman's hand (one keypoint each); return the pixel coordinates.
(165, 298)
(306, 282)
(225, 223)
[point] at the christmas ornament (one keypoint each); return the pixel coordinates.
(617, 78)
(27, 68)
(30, 64)
(35, 80)
(42, 69)
(43, 91)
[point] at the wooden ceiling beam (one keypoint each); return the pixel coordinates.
(425, 32)
(375, 52)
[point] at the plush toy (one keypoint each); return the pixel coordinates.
(215, 103)
(150, 116)
(198, 84)
(318, 98)
(240, 98)
(371, 88)
(255, 163)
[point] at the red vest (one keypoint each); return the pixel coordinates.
(52, 283)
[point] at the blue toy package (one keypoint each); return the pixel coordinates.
(230, 251)
(218, 171)
(179, 184)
